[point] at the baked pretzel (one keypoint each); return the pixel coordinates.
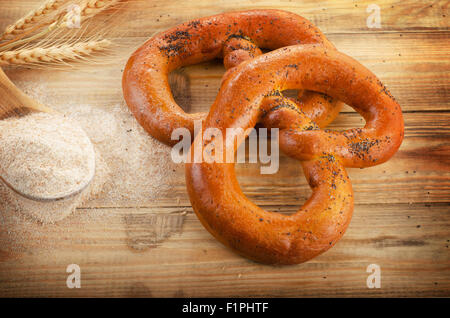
(251, 93)
(235, 36)
(213, 189)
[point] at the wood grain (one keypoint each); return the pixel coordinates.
(159, 248)
(409, 242)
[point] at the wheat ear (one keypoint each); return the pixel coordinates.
(53, 54)
(33, 17)
(88, 8)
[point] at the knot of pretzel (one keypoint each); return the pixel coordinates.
(251, 93)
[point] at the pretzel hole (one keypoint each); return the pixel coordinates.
(195, 87)
(347, 120)
(180, 86)
(287, 189)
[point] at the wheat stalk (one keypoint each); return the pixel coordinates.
(52, 54)
(34, 17)
(88, 8)
(34, 46)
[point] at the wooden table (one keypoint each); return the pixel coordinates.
(402, 214)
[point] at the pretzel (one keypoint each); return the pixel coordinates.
(251, 93)
(213, 189)
(235, 36)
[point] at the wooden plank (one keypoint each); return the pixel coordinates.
(119, 256)
(340, 16)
